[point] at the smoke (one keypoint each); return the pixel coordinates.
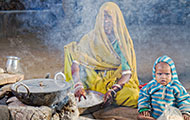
(59, 22)
(80, 16)
(156, 26)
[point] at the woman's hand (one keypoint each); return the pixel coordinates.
(108, 98)
(80, 93)
(79, 89)
(186, 117)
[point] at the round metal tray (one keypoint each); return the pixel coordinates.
(93, 98)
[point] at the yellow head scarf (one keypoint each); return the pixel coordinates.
(95, 50)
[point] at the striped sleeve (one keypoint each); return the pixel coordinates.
(182, 97)
(144, 99)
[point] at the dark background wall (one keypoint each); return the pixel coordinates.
(157, 27)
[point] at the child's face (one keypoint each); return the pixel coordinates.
(163, 73)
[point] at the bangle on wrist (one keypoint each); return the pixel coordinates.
(126, 72)
(77, 88)
(117, 87)
(74, 61)
(113, 92)
(78, 84)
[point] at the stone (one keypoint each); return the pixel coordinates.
(6, 88)
(2, 94)
(5, 91)
(3, 100)
(6, 78)
(21, 111)
(4, 112)
(70, 110)
(55, 117)
(30, 112)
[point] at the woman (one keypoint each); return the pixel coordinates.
(107, 59)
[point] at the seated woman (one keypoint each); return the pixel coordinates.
(107, 60)
(164, 89)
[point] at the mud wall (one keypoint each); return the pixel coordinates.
(156, 27)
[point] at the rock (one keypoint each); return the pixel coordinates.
(3, 100)
(30, 112)
(70, 110)
(55, 117)
(15, 101)
(2, 94)
(6, 88)
(4, 112)
(6, 78)
(20, 111)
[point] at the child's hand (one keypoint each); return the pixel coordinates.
(146, 113)
(186, 117)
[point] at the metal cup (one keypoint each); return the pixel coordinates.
(12, 65)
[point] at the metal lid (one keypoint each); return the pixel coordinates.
(13, 57)
(41, 86)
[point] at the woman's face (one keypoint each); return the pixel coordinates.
(108, 24)
(163, 73)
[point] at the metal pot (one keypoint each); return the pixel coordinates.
(39, 92)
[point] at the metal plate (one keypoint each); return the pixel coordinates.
(93, 98)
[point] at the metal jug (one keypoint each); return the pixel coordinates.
(12, 65)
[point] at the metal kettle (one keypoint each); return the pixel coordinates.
(12, 64)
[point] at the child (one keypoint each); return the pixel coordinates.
(164, 89)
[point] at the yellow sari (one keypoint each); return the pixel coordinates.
(95, 52)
